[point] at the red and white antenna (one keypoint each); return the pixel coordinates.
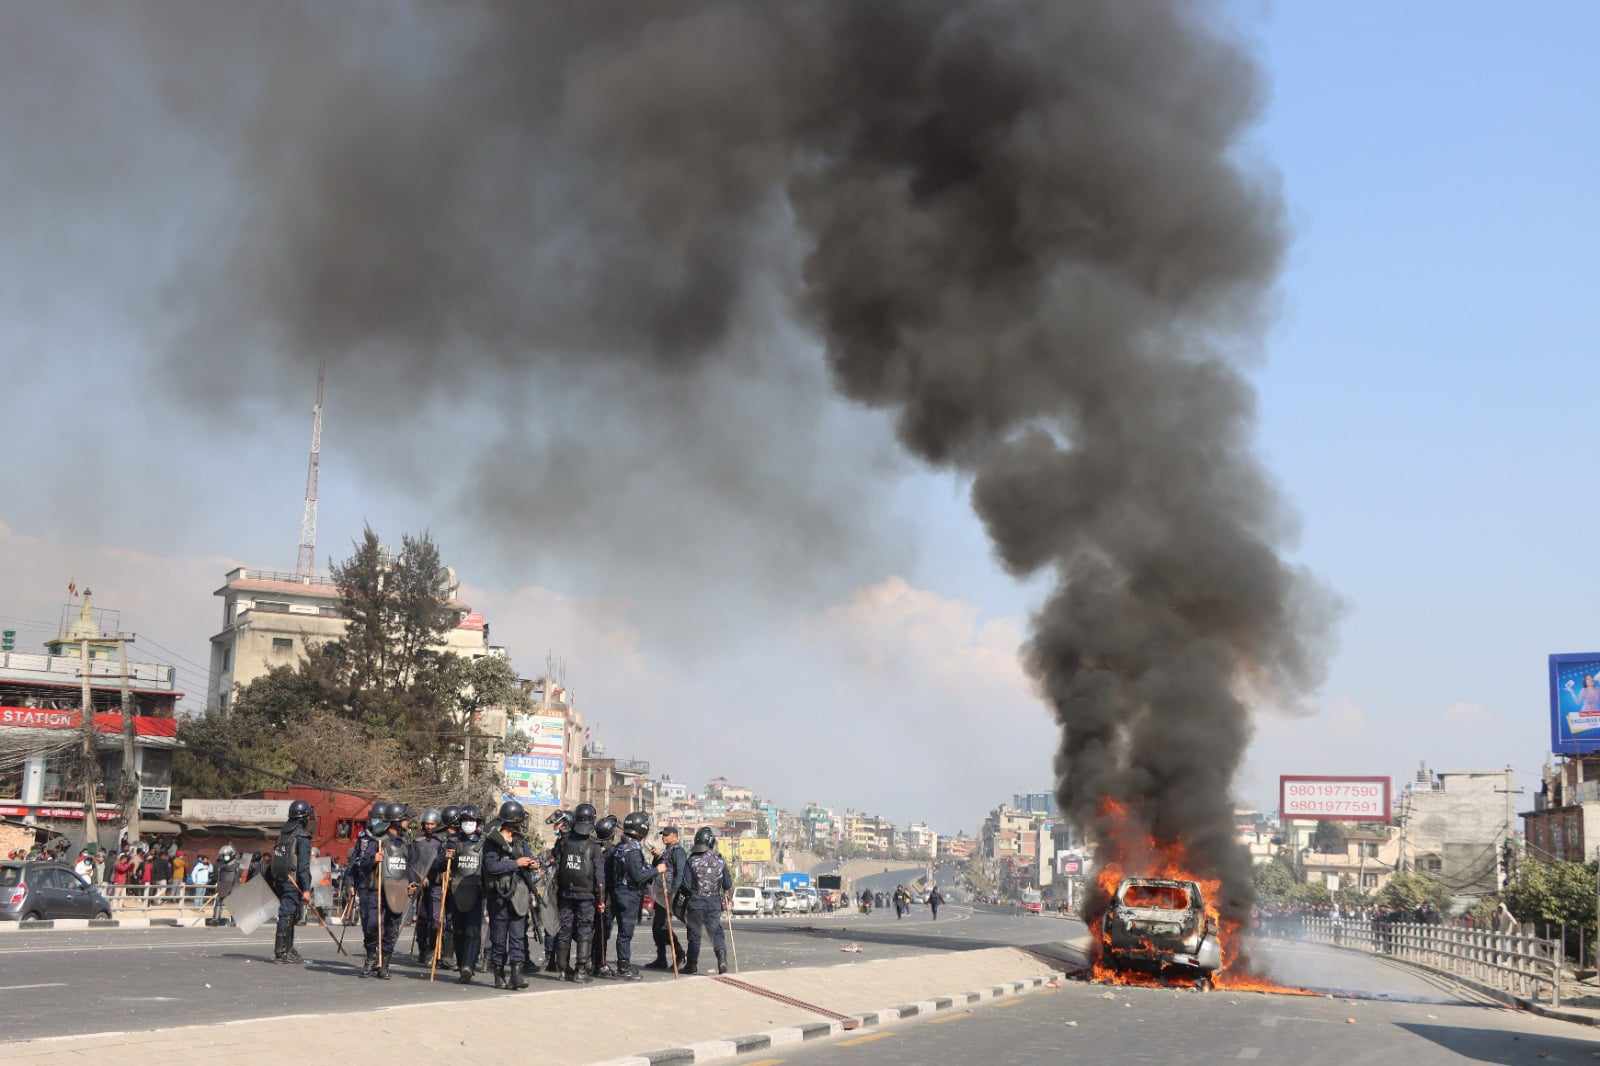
(306, 564)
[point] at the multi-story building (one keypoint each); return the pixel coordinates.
(1036, 803)
(959, 846)
(1566, 811)
(271, 618)
(734, 796)
(1367, 860)
(1456, 824)
(920, 842)
(1005, 830)
(41, 696)
(616, 786)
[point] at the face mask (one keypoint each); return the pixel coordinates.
(469, 827)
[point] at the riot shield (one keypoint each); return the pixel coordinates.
(253, 904)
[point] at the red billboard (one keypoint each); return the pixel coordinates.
(1314, 797)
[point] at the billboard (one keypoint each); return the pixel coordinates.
(547, 734)
(1575, 703)
(1333, 799)
(745, 849)
(534, 780)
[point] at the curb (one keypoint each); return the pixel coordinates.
(88, 923)
(716, 1050)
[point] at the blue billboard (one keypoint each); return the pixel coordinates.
(534, 780)
(1575, 703)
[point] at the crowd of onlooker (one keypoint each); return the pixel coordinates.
(157, 871)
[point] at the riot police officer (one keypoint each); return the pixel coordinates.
(560, 823)
(581, 890)
(465, 906)
(631, 877)
(676, 863)
(709, 884)
(380, 871)
(290, 877)
(427, 870)
(510, 886)
(605, 831)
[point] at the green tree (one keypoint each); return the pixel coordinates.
(1310, 894)
(1329, 838)
(1274, 881)
(1554, 892)
(1409, 891)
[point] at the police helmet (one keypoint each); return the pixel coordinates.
(432, 816)
(450, 816)
(583, 819)
(470, 813)
(704, 840)
(605, 828)
(513, 814)
(559, 816)
(378, 818)
(404, 812)
(636, 826)
(299, 811)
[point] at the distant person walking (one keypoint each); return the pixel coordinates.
(935, 898)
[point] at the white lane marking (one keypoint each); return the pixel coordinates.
(19, 988)
(1249, 1052)
(133, 947)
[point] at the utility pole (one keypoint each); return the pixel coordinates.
(91, 758)
(132, 780)
(1508, 845)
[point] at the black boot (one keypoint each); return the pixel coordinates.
(628, 972)
(722, 962)
(464, 976)
(606, 970)
(529, 969)
(552, 963)
(280, 946)
(691, 969)
(291, 955)
(582, 975)
(660, 962)
(516, 981)
(382, 972)
(370, 966)
(499, 976)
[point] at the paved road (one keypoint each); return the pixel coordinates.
(1089, 1023)
(148, 979)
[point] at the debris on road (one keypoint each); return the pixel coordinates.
(852, 948)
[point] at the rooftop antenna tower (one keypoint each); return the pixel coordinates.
(306, 563)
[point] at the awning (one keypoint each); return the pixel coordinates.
(156, 825)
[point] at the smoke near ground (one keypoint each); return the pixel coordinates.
(1028, 232)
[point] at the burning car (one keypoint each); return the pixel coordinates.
(1161, 926)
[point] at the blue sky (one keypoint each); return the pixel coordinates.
(1425, 403)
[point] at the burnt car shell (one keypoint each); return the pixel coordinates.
(1160, 925)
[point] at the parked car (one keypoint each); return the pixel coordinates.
(793, 903)
(45, 890)
(746, 901)
(769, 901)
(813, 901)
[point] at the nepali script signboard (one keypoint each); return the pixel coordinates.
(1333, 799)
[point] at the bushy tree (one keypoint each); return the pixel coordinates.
(1407, 892)
(384, 708)
(1274, 881)
(1554, 892)
(1329, 838)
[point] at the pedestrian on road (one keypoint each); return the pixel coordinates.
(581, 890)
(200, 879)
(291, 858)
(709, 885)
(902, 902)
(935, 900)
(160, 868)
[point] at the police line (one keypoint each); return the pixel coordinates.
(457, 874)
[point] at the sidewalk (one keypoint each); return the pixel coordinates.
(695, 1013)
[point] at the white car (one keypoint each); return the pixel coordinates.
(813, 901)
(769, 901)
(746, 901)
(794, 903)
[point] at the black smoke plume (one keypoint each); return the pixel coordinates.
(1030, 231)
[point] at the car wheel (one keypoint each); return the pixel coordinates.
(102, 916)
(33, 916)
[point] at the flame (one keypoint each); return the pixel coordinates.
(1138, 854)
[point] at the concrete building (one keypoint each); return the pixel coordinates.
(616, 786)
(270, 618)
(959, 846)
(1368, 860)
(41, 741)
(1564, 824)
(733, 796)
(920, 842)
(1455, 824)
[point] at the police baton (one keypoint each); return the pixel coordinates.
(672, 945)
(320, 920)
(378, 861)
(727, 918)
(438, 931)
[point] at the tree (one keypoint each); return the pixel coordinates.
(384, 708)
(1407, 892)
(1329, 838)
(1553, 892)
(1274, 881)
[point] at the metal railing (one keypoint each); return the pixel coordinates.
(1526, 966)
(135, 899)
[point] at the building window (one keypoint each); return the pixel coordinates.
(222, 699)
(282, 644)
(227, 659)
(1369, 851)
(1432, 864)
(1369, 880)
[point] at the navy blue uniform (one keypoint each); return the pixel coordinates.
(509, 891)
(291, 857)
(603, 920)
(580, 884)
(427, 873)
(677, 861)
(709, 881)
(363, 876)
(465, 905)
(630, 879)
